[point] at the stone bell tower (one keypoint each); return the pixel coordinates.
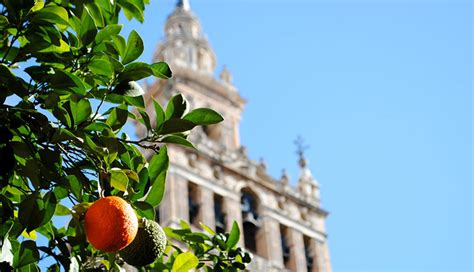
(282, 225)
(193, 62)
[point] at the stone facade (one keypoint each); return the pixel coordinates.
(282, 225)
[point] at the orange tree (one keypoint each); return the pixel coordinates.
(61, 148)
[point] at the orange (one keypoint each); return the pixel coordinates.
(111, 224)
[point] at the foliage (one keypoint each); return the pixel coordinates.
(61, 147)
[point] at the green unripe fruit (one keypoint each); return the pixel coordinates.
(147, 246)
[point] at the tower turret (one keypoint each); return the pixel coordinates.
(185, 45)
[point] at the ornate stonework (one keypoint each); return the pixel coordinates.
(282, 225)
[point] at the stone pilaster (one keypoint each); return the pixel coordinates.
(174, 206)
(320, 256)
(206, 210)
(321, 259)
(297, 261)
(271, 241)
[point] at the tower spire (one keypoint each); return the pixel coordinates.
(300, 149)
(184, 4)
(307, 185)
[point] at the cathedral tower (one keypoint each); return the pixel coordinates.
(282, 225)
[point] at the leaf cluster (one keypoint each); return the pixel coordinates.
(67, 89)
(208, 251)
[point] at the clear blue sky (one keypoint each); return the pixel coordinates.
(382, 91)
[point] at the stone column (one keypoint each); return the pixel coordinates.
(206, 207)
(234, 212)
(174, 205)
(321, 260)
(297, 261)
(269, 238)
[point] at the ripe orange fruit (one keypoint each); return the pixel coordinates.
(111, 224)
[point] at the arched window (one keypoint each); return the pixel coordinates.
(285, 246)
(308, 254)
(250, 217)
(193, 203)
(219, 214)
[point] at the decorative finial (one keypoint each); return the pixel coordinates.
(263, 164)
(225, 75)
(184, 4)
(285, 179)
(300, 149)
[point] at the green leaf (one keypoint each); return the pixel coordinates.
(234, 236)
(118, 66)
(176, 107)
(63, 80)
(176, 233)
(117, 117)
(97, 126)
(161, 70)
(111, 144)
(158, 164)
(62, 210)
(120, 44)
(101, 67)
(118, 180)
(52, 14)
(38, 6)
(106, 33)
(160, 114)
(62, 134)
(208, 229)
(131, 10)
(145, 209)
(177, 140)
(29, 235)
(75, 186)
(80, 109)
(49, 202)
(130, 88)
(63, 115)
(136, 101)
(157, 190)
(6, 208)
(31, 212)
(91, 144)
(33, 267)
(184, 224)
(3, 22)
(175, 125)
(88, 29)
(157, 174)
(185, 262)
(61, 48)
(203, 116)
(196, 237)
(96, 14)
(132, 175)
(134, 47)
(145, 120)
(141, 187)
(135, 71)
(27, 254)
